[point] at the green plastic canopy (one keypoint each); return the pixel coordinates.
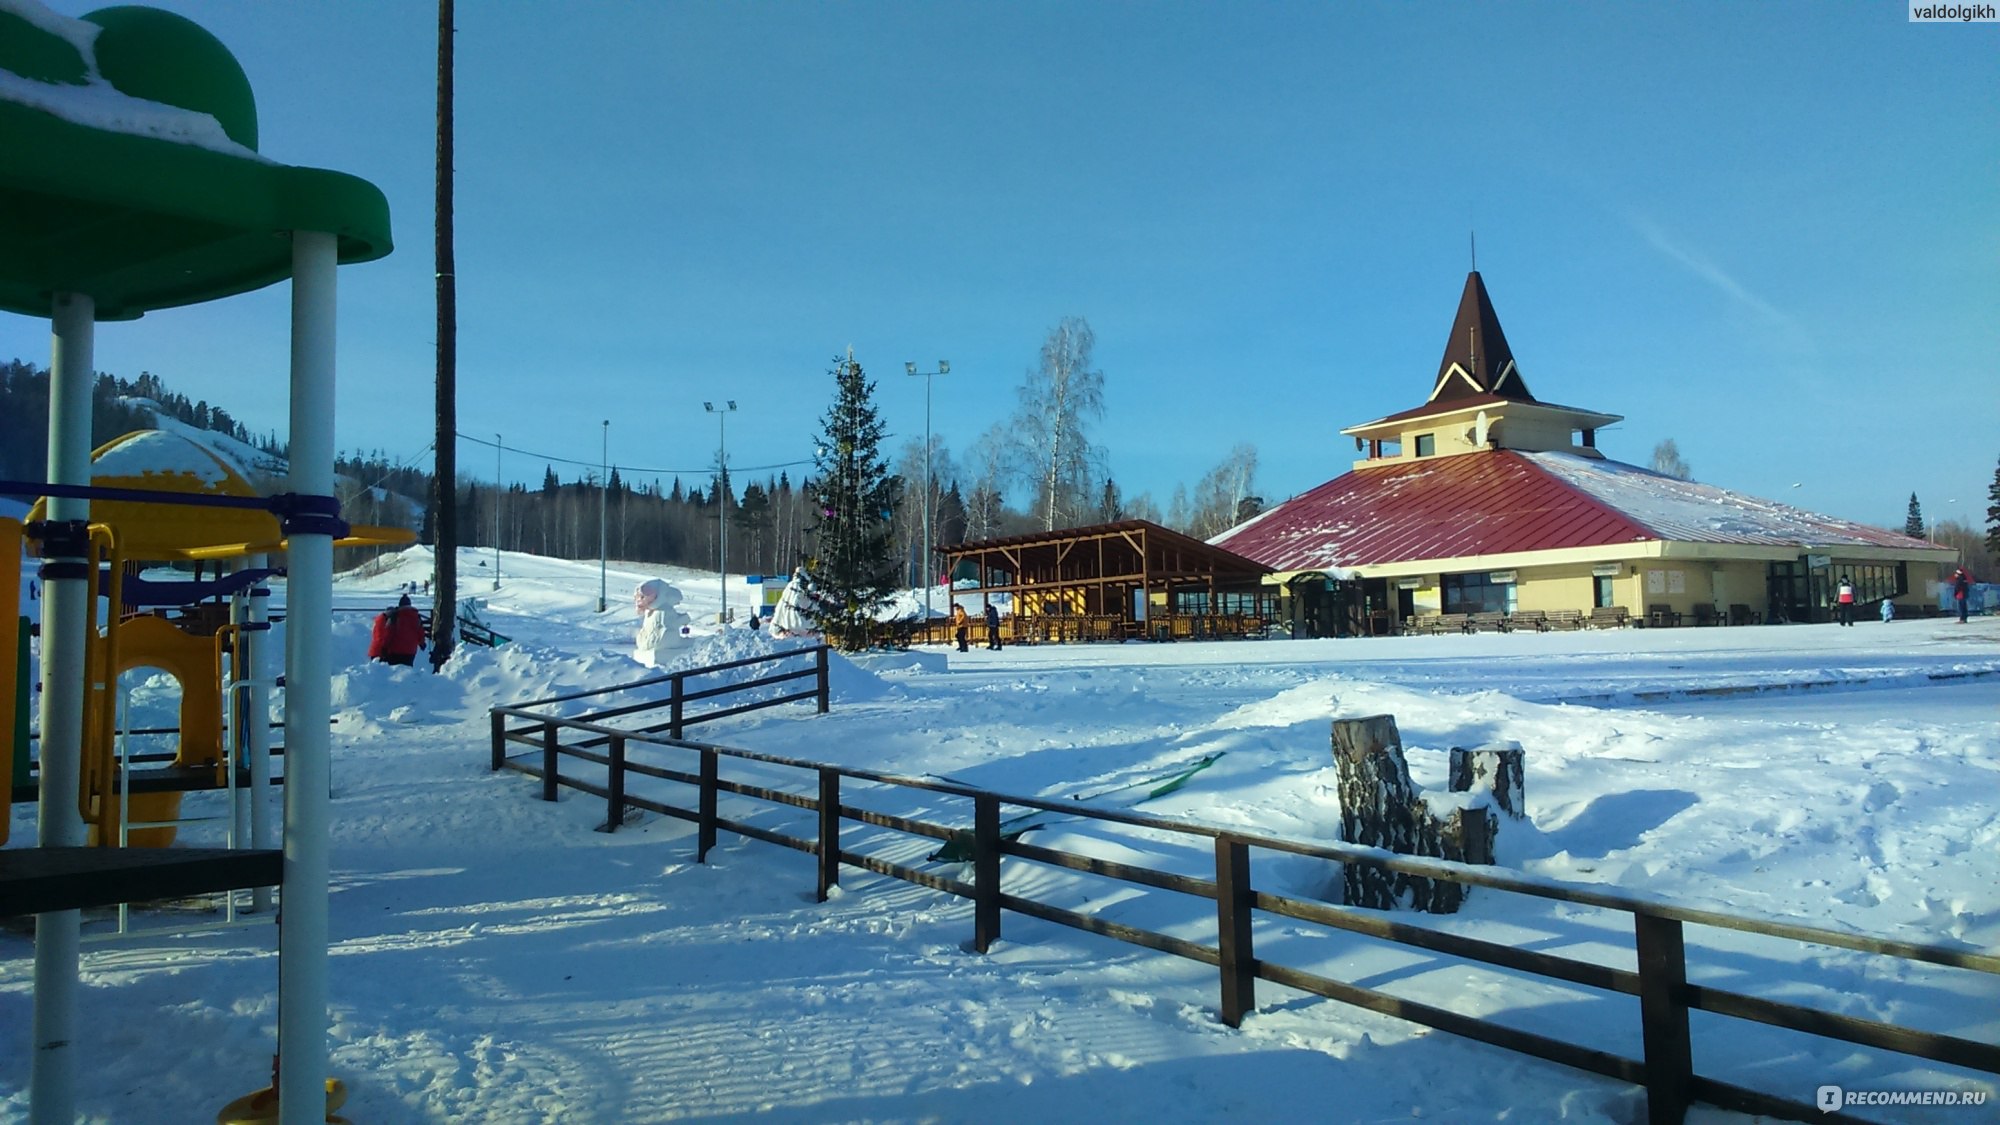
(94, 205)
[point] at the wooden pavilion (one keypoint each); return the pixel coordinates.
(1116, 581)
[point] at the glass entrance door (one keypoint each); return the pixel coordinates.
(1788, 592)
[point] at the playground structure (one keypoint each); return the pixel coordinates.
(131, 183)
(205, 633)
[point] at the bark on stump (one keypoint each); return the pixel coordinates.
(1496, 769)
(1380, 807)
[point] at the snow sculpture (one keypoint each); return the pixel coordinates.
(662, 626)
(788, 617)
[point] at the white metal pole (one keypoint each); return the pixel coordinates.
(257, 705)
(67, 603)
(603, 488)
(721, 506)
(302, 927)
(499, 490)
(924, 558)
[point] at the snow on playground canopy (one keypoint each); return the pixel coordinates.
(159, 461)
(129, 169)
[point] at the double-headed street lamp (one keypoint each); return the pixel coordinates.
(721, 492)
(943, 368)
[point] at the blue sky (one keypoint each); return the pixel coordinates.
(1770, 232)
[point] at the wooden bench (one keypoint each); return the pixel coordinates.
(1707, 615)
(1534, 619)
(1660, 615)
(1740, 614)
(1564, 619)
(1448, 623)
(1486, 623)
(1608, 617)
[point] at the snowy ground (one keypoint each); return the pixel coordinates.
(496, 960)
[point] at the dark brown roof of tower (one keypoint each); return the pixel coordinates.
(1477, 360)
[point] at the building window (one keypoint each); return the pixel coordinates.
(1427, 445)
(1476, 593)
(1872, 581)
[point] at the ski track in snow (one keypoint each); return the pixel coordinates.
(496, 960)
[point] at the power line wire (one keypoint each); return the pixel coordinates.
(396, 468)
(627, 469)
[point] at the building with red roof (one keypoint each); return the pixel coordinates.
(1486, 500)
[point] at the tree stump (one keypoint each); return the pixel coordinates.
(1497, 769)
(1377, 801)
(1381, 807)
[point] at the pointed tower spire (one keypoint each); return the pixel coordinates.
(1476, 357)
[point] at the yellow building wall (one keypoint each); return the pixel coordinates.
(1553, 587)
(1683, 584)
(1455, 433)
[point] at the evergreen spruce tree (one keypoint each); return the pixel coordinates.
(1993, 517)
(852, 569)
(1913, 524)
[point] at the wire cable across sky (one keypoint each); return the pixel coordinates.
(644, 470)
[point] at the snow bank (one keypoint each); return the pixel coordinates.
(494, 959)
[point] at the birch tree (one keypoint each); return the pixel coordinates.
(1220, 497)
(1057, 401)
(918, 503)
(992, 460)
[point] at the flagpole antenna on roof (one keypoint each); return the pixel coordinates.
(1473, 237)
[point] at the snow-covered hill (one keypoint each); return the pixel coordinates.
(255, 464)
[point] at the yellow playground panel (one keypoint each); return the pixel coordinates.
(13, 693)
(181, 628)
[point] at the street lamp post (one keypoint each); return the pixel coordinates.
(721, 498)
(603, 493)
(499, 490)
(943, 368)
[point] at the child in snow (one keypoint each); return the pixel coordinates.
(398, 635)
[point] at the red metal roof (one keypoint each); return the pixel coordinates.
(1503, 501)
(1449, 507)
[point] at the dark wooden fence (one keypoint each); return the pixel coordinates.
(1665, 996)
(540, 729)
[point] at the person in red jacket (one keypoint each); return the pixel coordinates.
(398, 635)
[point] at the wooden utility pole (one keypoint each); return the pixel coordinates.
(444, 482)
